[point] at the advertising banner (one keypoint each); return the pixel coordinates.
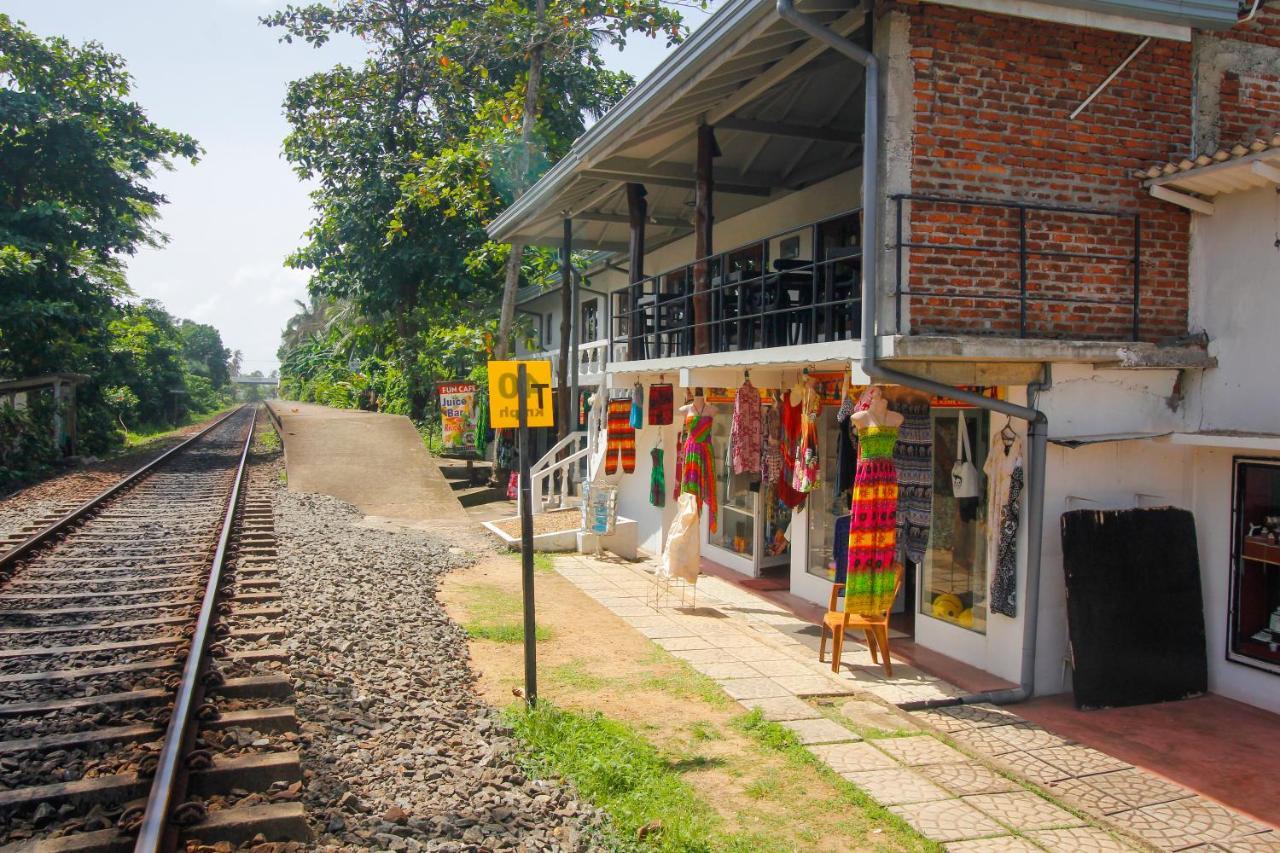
(458, 416)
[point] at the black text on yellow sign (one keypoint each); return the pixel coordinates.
(504, 394)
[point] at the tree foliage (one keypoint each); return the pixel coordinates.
(76, 159)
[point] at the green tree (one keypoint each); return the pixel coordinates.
(149, 360)
(206, 356)
(76, 157)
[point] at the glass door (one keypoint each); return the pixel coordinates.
(736, 515)
(1255, 566)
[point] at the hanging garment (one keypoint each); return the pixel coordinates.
(770, 454)
(1005, 478)
(681, 441)
(846, 456)
(584, 408)
(620, 440)
(482, 425)
(872, 524)
(657, 479)
(504, 453)
(745, 433)
(682, 557)
(805, 472)
(699, 477)
(637, 406)
(661, 404)
(840, 548)
(913, 457)
(789, 418)
(513, 486)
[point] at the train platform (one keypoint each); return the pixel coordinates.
(373, 461)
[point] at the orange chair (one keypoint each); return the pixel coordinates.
(875, 627)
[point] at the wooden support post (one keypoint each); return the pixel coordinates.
(566, 390)
(637, 212)
(703, 225)
(526, 542)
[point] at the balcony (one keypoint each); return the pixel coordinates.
(592, 358)
(761, 294)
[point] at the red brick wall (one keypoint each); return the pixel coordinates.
(1249, 98)
(993, 96)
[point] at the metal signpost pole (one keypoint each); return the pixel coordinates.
(526, 540)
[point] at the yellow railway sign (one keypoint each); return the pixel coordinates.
(504, 394)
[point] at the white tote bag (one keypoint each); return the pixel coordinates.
(964, 474)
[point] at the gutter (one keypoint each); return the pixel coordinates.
(1036, 420)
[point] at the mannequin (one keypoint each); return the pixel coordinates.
(876, 413)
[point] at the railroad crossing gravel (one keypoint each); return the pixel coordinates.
(399, 752)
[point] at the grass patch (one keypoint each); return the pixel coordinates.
(574, 675)
(543, 562)
(268, 441)
(504, 632)
(683, 681)
(620, 772)
(775, 737)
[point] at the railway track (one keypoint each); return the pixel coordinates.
(139, 708)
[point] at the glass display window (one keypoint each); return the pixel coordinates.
(825, 504)
(1254, 620)
(736, 518)
(954, 579)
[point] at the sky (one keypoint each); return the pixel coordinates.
(208, 68)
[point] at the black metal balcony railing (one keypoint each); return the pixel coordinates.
(751, 300)
(1007, 268)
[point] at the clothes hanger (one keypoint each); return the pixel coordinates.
(1007, 435)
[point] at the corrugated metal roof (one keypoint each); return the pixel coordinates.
(1225, 170)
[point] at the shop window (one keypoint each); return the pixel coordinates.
(736, 519)
(1254, 620)
(954, 582)
(824, 503)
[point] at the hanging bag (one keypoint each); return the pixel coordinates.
(964, 474)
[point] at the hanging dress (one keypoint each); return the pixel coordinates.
(805, 471)
(913, 458)
(873, 524)
(657, 479)
(744, 434)
(698, 477)
(770, 453)
(789, 416)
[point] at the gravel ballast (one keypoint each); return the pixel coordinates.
(399, 752)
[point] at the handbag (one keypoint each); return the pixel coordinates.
(964, 474)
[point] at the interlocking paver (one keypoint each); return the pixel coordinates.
(1000, 844)
(896, 786)
(781, 667)
(753, 688)
(852, 757)
(820, 730)
(1026, 736)
(729, 669)
(979, 716)
(677, 644)
(1027, 766)
(1078, 760)
(947, 820)
(1085, 796)
(781, 708)
(1023, 810)
(1079, 839)
(813, 685)
(863, 712)
(968, 778)
(1137, 788)
(1265, 842)
(921, 749)
(1185, 823)
(985, 740)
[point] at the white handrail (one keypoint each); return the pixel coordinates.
(542, 471)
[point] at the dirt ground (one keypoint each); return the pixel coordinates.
(593, 661)
(544, 522)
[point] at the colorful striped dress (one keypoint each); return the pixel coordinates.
(698, 476)
(873, 524)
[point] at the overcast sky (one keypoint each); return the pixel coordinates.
(208, 68)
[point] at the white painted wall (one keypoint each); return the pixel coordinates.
(1235, 297)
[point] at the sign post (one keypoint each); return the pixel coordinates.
(526, 542)
(511, 404)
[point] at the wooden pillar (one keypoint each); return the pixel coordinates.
(637, 213)
(703, 225)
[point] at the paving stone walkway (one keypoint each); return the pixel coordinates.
(974, 777)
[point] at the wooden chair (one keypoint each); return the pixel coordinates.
(875, 627)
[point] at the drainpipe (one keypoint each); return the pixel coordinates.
(1037, 423)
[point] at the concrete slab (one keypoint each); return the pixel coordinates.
(948, 820)
(1081, 839)
(820, 730)
(1023, 810)
(781, 708)
(897, 786)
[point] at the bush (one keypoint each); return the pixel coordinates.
(27, 448)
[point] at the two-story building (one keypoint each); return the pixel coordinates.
(951, 200)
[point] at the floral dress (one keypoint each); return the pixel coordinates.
(805, 471)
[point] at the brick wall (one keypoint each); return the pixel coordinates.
(993, 96)
(1249, 89)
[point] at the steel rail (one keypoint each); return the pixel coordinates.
(11, 557)
(152, 835)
